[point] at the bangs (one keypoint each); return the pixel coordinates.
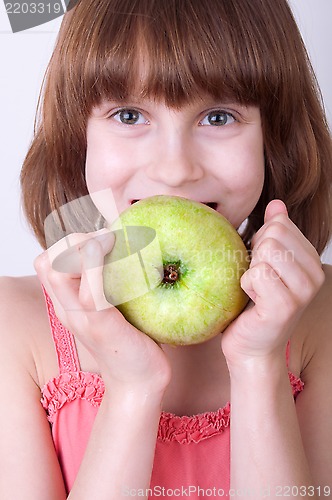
(247, 51)
(172, 51)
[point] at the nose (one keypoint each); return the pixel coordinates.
(175, 161)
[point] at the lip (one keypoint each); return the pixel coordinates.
(211, 204)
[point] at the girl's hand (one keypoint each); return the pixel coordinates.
(126, 357)
(284, 275)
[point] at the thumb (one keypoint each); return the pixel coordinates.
(275, 207)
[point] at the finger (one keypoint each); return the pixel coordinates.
(275, 211)
(65, 256)
(68, 286)
(42, 267)
(271, 296)
(275, 207)
(62, 281)
(91, 292)
(282, 229)
(302, 281)
(48, 278)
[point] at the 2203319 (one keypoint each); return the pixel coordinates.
(302, 491)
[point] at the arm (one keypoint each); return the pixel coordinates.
(291, 443)
(266, 445)
(120, 453)
(314, 404)
(28, 461)
(135, 371)
(267, 449)
(121, 448)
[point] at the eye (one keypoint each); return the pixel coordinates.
(129, 116)
(218, 118)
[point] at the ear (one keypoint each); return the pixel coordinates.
(275, 207)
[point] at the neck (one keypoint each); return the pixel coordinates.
(200, 380)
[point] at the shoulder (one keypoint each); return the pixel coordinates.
(313, 333)
(316, 324)
(20, 299)
(318, 316)
(314, 404)
(23, 321)
(327, 287)
(324, 296)
(321, 314)
(22, 286)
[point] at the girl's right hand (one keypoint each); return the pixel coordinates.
(127, 358)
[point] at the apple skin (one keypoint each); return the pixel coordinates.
(209, 256)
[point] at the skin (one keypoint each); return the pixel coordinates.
(175, 152)
(178, 153)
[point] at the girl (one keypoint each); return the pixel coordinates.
(214, 101)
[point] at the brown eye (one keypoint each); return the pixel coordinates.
(129, 117)
(218, 118)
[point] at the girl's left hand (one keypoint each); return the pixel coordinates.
(285, 274)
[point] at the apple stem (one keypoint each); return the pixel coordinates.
(171, 273)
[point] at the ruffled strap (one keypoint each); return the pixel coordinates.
(64, 341)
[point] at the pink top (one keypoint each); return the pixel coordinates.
(192, 452)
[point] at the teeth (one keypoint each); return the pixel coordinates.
(211, 204)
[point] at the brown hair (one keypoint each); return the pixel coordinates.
(247, 50)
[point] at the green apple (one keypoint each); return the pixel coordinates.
(175, 269)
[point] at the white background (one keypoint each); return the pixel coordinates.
(23, 59)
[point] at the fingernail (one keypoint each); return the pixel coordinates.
(90, 247)
(106, 240)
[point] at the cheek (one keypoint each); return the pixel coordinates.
(94, 158)
(252, 180)
(90, 167)
(253, 169)
(102, 179)
(105, 160)
(246, 173)
(245, 185)
(97, 169)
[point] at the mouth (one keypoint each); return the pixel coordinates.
(211, 204)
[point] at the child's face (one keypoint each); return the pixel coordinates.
(209, 151)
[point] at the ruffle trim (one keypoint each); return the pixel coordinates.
(195, 428)
(70, 386)
(184, 429)
(296, 383)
